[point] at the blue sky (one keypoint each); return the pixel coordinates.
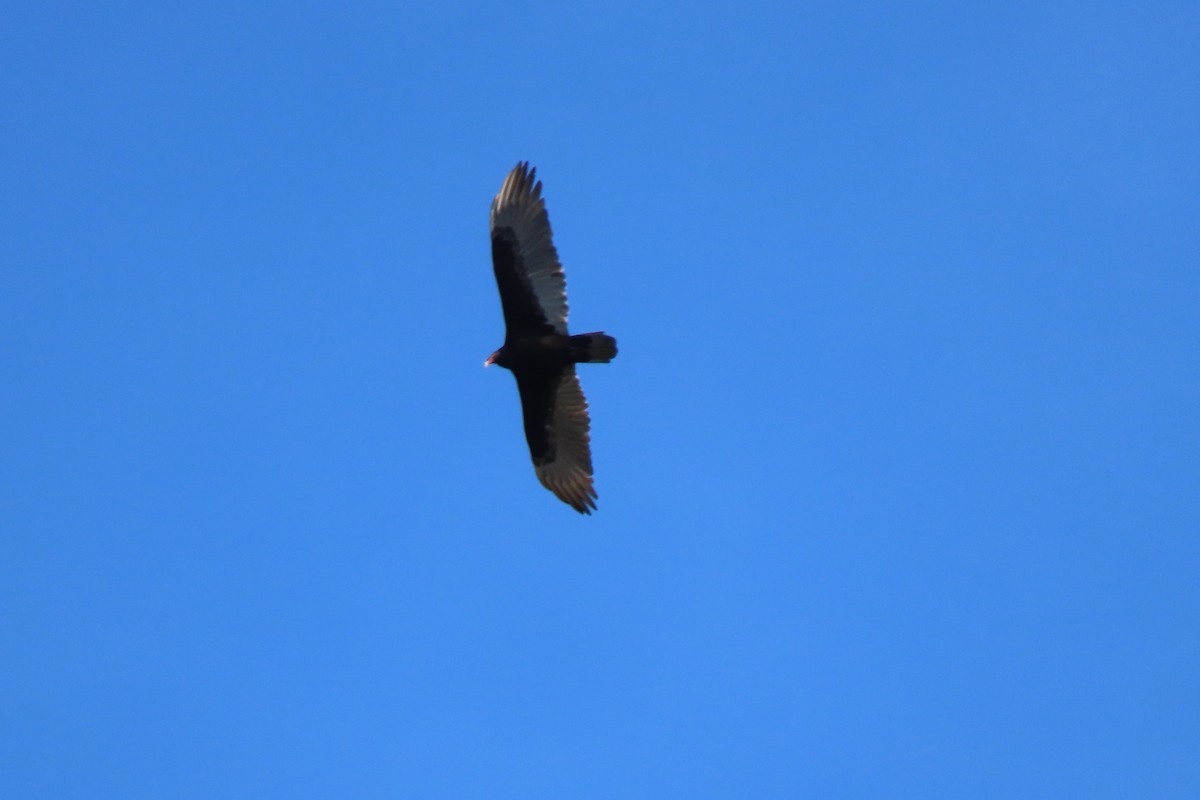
(898, 464)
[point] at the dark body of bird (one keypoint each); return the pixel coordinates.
(537, 346)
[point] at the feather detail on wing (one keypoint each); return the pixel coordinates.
(557, 427)
(533, 289)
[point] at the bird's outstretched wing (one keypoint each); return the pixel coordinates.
(557, 428)
(533, 290)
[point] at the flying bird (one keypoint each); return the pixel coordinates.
(537, 347)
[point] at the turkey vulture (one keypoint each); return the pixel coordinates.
(537, 348)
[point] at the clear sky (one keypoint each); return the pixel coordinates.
(899, 464)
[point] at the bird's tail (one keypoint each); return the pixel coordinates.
(597, 348)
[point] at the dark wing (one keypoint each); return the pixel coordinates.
(533, 290)
(557, 429)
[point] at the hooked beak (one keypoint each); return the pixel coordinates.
(490, 360)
